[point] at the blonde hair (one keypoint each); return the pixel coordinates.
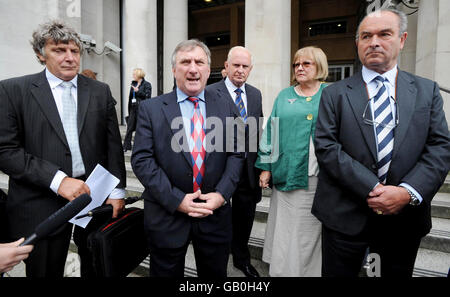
(139, 73)
(318, 56)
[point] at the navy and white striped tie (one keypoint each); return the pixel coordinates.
(384, 128)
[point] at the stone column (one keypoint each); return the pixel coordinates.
(268, 37)
(407, 57)
(139, 44)
(101, 20)
(433, 56)
(175, 31)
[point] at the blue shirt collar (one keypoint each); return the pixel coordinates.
(181, 96)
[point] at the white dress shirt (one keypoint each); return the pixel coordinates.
(57, 91)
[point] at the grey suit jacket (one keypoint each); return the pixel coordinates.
(346, 152)
(254, 111)
(33, 146)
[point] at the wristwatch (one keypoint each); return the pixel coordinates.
(413, 200)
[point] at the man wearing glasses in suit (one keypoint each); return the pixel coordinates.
(383, 147)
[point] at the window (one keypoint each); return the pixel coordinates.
(339, 72)
(218, 40)
(329, 27)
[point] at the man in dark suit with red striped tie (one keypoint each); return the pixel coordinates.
(180, 157)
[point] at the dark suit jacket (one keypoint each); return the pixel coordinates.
(254, 110)
(33, 146)
(346, 152)
(165, 170)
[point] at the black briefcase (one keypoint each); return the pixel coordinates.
(119, 245)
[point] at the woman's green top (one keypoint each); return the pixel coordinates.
(284, 146)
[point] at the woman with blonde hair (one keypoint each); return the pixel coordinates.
(140, 90)
(292, 244)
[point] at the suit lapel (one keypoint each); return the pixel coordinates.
(406, 100)
(42, 93)
(82, 102)
(222, 92)
(358, 98)
(251, 102)
(171, 111)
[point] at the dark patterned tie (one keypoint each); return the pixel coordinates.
(240, 104)
(198, 152)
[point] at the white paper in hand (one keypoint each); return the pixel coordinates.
(101, 183)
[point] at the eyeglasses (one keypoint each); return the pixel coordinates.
(305, 65)
(371, 122)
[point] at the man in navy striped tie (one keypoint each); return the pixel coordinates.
(383, 147)
(246, 100)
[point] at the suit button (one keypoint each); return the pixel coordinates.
(309, 117)
(190, 174)
(374, 166)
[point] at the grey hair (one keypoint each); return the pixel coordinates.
(189, 45)
(57, 31)
(242, 48)
(402, 19)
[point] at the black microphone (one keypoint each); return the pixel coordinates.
(61, 216)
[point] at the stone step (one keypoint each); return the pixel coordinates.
(431, 263)
(190, 269)
(445, 188)
(127, 155)
(428, 264)
(439, 237)
(440, 205)
(129, 170)
(437, 240)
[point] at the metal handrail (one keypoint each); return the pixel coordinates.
(445, 90)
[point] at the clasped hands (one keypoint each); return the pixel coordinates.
(388, 200)
(70, 188)
(194, 209)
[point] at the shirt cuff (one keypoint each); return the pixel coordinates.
(375, 186)
(56, 182)
(117, 194)
(405, 185)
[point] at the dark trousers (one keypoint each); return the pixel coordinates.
(243, 213)
(211, 259)
(342, 255)
(131, 127)
(49, 255)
